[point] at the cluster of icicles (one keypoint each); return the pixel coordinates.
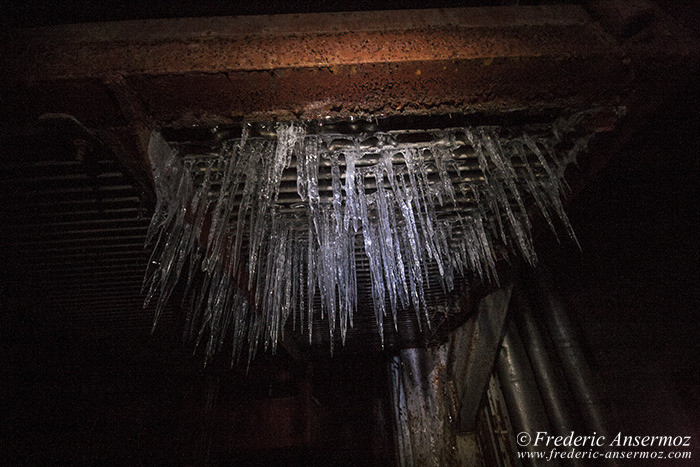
(250, 262)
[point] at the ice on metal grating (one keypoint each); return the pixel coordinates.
(251, 262)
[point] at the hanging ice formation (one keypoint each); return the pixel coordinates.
(251, 263)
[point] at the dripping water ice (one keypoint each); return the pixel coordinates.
(415, 213)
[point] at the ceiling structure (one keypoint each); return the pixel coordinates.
(95, 91)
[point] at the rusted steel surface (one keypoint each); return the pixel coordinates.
(289, 41)
(333, 64)
(380, 89)
(127, 77)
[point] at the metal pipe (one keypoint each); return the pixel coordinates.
(578, 373)
(550, 379)
(527, 413)
(415, 406)
(425, 410)
(404, 453)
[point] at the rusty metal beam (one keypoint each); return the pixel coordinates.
(214, 45)
(335, 64)
(122, 79)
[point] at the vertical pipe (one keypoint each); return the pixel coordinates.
(578, 373)
(425, 411)
(522, 397)
(425, 429)
(549, 379)
(404, 454)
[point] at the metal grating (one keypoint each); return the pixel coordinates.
(73, 234)
(74, 225)
(199, 146)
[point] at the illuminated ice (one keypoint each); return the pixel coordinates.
(415, 213)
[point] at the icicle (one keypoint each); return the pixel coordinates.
(252, 264)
